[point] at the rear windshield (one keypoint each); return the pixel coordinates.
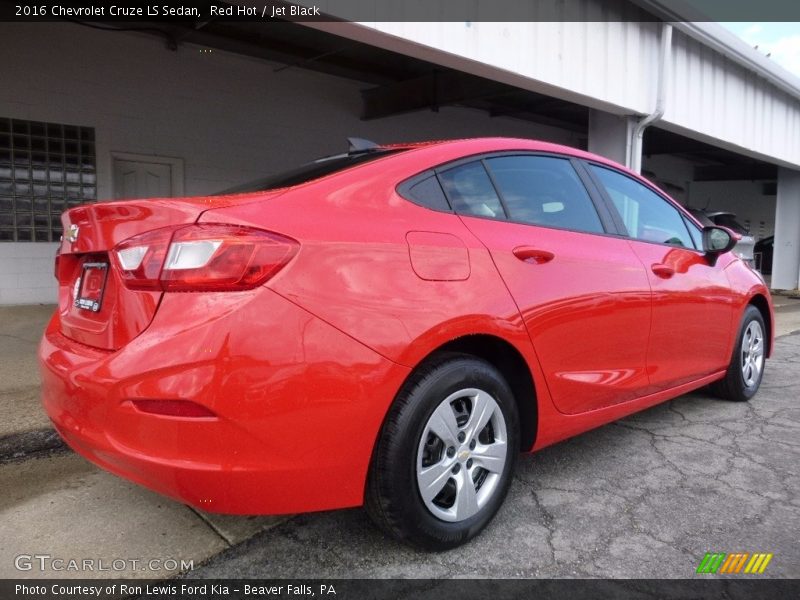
(309, 171)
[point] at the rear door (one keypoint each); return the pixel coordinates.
(692, 299)
(582, 292)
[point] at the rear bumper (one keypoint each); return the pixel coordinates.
(298, 404)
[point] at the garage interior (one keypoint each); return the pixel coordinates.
(215, 103)
(697, 174)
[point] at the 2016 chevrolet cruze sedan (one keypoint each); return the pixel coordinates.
(388, 327)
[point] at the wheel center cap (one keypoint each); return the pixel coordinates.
(463, 455)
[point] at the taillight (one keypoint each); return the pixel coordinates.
(140, 258)
(202, 257)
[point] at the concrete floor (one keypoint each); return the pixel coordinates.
(644, 497)
(63, 506)
(787, 314)
(60, 504)
(21, 329)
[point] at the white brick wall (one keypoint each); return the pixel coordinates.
(230, 118)
(26, 273)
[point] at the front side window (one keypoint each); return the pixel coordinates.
(696, 233)
(544, 190)
(647, 216)
(471, 191)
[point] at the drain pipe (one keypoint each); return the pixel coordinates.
(635, 148)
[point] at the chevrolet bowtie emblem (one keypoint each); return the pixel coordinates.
(72, 233)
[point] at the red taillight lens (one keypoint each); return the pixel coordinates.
(139, 259)
(202, 257)
(173, 408)
(221, 257)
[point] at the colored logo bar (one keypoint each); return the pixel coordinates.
(739, 562)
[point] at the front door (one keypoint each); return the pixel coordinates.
(692, 299)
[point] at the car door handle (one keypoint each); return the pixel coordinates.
(663, 271)
(532, 255)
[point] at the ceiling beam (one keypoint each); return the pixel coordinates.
(747, 172)
(429, 91)
(539, 118)
(659, 143)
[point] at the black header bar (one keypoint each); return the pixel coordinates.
(199, 11)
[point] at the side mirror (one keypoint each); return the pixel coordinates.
(718, 240)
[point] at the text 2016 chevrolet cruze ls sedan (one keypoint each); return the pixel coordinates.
(388, 327)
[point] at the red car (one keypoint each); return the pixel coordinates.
(388, 327)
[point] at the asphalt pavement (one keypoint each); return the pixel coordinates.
(645, 497)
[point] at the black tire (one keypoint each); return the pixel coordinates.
(736, 385)
(393, 498)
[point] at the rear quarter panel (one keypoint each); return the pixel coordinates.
(354, 269)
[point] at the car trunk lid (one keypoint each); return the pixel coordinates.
(95, 307)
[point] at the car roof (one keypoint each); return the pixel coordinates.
(479, 145)
(442, 151)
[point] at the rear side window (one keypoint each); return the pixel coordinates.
(543, 190)
(471, 191)
(647, 216)
(427, 193)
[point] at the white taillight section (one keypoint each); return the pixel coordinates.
(131, 258)
(202, 257)
(190, 255)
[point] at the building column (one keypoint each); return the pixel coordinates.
(610, 135)
(786, 252)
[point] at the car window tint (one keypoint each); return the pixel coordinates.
(471, 191)
(543, 190)
(647, 216)
(428, 193)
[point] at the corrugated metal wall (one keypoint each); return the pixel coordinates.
(715, 97)
(604, 63)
